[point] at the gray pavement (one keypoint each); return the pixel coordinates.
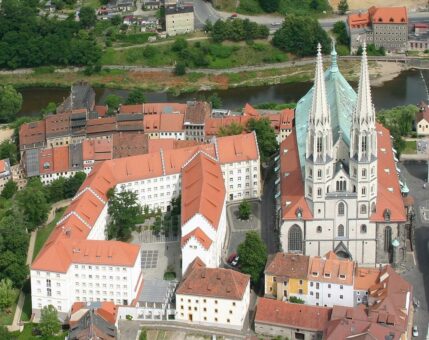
(414, 174)
(268, 231)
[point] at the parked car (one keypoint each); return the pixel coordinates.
(234, 262)
(415, 332)
(231, 257)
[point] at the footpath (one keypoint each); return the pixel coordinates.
(16, 323)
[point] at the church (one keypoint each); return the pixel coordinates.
(339, 186)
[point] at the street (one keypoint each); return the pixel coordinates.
(414, 174)
(204, 11)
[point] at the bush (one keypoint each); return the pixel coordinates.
(128, 317)
(244, 210)
(180, 69)
(294, 299)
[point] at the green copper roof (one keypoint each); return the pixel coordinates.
(341, 100)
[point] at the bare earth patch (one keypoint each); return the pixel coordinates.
(365, 4)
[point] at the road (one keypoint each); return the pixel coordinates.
(415, 173)
(204, 11)
(268, 213)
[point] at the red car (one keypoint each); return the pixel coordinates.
(231, 257)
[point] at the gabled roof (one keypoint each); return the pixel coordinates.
(200, 236)
(388, 15)
(32, 133)
(287, 118)
(292, 315)
(171, 122)
(54, 160)
(197, 112)
(213, 282)
(238, 148)
(203, 190)
(331, 269)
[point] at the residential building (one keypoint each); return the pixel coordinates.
(179, 19)
(389, 312)
(203, 211)
(286, 276)
(422, 121)
(93, 320)
(5, 172)
(195, 117)
(330, 281)
(385, 27)
(290, 320)
(214, 297)
(77, 264)
(418, 39)
(338, 181)
(364, 279)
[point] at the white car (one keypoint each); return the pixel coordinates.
(235, 261)
(415, 332)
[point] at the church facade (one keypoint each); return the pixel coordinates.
(339, 188)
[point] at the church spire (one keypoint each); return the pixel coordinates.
(363, 120)
(334, 65)
(319, 136)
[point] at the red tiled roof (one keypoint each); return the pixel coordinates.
(155, 145)
(171, 122)
(213, 282)
(200, 236)
(101, 110)
(291, 315)
(331, 269)
(197, 112)
(388, 15)
(238, 148)
(365, 277)
(58, 124)
(203, 190)
(359, 20)
(423, 114)
(287, 265)
(152, 123)
(292, 187)
(249, 110)
(54, 160)
(136, 108)
(99, 125)
(287, 117)
(158, 108)
(97, 150)
(32, 133)
(2, 165)
(388, 192)
(129, 144)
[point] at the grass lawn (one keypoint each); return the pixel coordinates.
(92, 3)
(217, 56)
(27, 334)
(6, 317)
(44, 232)
(410, 147)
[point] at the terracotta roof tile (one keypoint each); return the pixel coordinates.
(158, 108)
(58, 124)
(238, 148)
(365, 277)
(171, 122)
(331, 269)
(101, 110)
(152, 123)
(388, 15)
(287, 265)
(87, 206)
(249, 110)
(136, 108)
(32, 133)
(291, 315)
(287, 118)
(203, 190)
(54, 160)
(213, 282)
(2, 165)
(129, 144)
(197, 113)
(200, 236)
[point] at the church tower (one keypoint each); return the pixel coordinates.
(363, 144)
(319, 143)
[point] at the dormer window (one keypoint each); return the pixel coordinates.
(342, 276)
(298, 213)
(327, 275)
(315, 273)
(386, 215)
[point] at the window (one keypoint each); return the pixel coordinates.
(341, 286)
(300, 282)
(387, 238)
(319, 145)
(317, 285)
(329, 295)
(215, 319)
(319, 173)
(363, 209)
(295, 238)
(341, 185)
(363, 228)
(319, 192)
(341, 297)
(319, 229)
(341, 209)
(340, 230)
(215, 310)
(300, 291)
(317, 295)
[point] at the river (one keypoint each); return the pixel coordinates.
(407, 88)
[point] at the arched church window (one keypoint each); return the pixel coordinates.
(373, 207)
(340, 230)
(319, 145)
(363, 209)
(341, 209)
(364, 145)
(387, 238)
(295, 238)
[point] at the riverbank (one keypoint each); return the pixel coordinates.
(196, 80)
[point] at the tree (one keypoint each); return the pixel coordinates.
(10, 102)
(343, 6)
(371, 50)
(294, 299)
(9, 150)
(244, 210)
(300, 35)
(49, 323)
(113, 101)
(230, 130)
(340, 31)
(180, 69)
(136, 96)
(124, 211)
(32, 200)
(116, 20)
(72, 184)
(179, 44)
(216, 101)
(55, 190)
(87, 17)
(266, 136)
(269, 6)
(49, 109)
(253, 255)
(7, 295)
(5, 335)
(9, 189)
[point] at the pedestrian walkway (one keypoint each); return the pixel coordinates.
(16, 323)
